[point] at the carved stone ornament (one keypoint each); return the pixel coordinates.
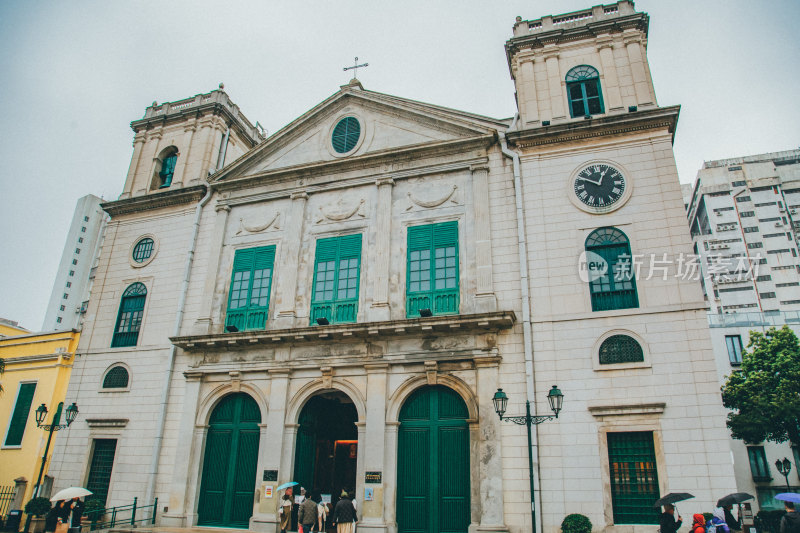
(274, 223)
(450, 195)
(339, 211)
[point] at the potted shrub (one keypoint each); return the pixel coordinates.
(37, 509)
(93, 511)
(576, 523)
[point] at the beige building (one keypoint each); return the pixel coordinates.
(338, 303)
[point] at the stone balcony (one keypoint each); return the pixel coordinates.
(599, 13)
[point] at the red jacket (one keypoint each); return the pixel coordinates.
(699, 524)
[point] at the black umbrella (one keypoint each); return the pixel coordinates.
(734, 499)
(672, 497)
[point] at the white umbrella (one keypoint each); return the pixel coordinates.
(69, 493)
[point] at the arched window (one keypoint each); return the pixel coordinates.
(116, 378)
(616, 287)
(129, 319)
(583, 90)
(167, 170)
(620, 349)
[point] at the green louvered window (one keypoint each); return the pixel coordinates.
(337, 265)
(167, 170)
(346, 134)
(129, 319)
(100, 469)
(432, 269)
(634, 478)
(616, 288)
(583, 89)
(22, 408)
(116, 378)
(251, 282)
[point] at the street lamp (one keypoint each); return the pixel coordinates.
(556, 400)
(41, 413)
(784, 467)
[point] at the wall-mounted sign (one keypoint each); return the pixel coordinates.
(372, 477)
(268, 491)
(270, 475)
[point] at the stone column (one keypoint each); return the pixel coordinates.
(490, 450)
(390, 476)
(485, 300)
(205, 322)
(287, 283)
(610, 87)
(275, 437)
(555, 82)
(18, 501)
(373, 446)
(527, 97)
(259, 518)
(138, 145)
(182, 492)
(207, 135)
(182, 165)
(644, 97)
(147, 164)
(382, 251)
(360, 469)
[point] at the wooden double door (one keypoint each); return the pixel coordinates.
(433, 488)
(229, 466)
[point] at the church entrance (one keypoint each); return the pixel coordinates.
(433, 494)
(229, 467)
(327, 445)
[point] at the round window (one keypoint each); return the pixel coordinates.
(143, 250)
(346, 134)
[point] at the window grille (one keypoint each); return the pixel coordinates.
(620, 349)
(346, 134)
(116, 378)
(616, 289)
(129, 319)
(100, 468)
(634, 478)
(143, 250)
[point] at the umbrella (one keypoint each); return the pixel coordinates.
(287, 485)
(734, 499)
(788, 497)
(69, 493)
(672, 497)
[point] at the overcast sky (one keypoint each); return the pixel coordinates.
(75, 74)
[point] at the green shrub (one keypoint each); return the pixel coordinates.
(576, 523)
(38, 506)
(769, 521)
(93, 509)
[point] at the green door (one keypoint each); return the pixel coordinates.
(229, 468)
(433, 463)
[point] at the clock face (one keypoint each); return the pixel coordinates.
(599, 185)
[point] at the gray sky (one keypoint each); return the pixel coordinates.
(76, 73)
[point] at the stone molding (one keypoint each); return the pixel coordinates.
(150, 202)
(107, 422)
(656, 408)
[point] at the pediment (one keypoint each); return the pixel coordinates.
(385, 123)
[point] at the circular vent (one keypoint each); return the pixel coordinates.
(345, 135)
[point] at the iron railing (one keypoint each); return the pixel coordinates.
(123, 515)
(6, 495)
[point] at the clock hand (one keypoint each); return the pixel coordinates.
(590, 181)
(602, 175)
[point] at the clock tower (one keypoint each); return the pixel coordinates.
(616, 311)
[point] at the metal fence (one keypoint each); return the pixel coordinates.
(7, 494)
(123, 515)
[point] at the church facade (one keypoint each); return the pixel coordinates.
(337, 304)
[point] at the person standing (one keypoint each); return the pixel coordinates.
(285, 511)
(344, 514)
(307, 515)
(790, 523)
(733, 523)
(77, 512)
(667, 522)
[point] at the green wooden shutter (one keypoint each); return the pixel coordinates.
(634, 477)
(19, 419)
(100, 468)
(251, 284)
(432, 277)
(337, 269)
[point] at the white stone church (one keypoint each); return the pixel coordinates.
(337, 304)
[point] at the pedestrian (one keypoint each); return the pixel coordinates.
(77, 512)
(62, 515)
(790, 523)
(667, 522)
(322, 514)
(699, 524)
(733, 523)
(285, 511)
(719, 522)
(51, 520)
(307, 515)
(344, 514)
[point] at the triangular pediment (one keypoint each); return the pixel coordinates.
(385, 123)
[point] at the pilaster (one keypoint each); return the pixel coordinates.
(390, 476)
(138, 146)
(485, 300)
(374, 445)
(554, 82)
(204, 325)
(610, 87)
(273, 453)
(641, 83)
(527, 97)
(146, 167)
(382, 251)
(287, 283)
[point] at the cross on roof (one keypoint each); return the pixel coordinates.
(355, 67)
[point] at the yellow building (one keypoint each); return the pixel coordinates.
(37, 371)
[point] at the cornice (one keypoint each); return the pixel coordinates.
(149, 202)
(367, 331)
(598, 126)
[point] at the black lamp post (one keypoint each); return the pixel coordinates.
(556, 400)
(784, 467)
(41, 413)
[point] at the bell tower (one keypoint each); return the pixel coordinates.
(581, 64)
(179, 144)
